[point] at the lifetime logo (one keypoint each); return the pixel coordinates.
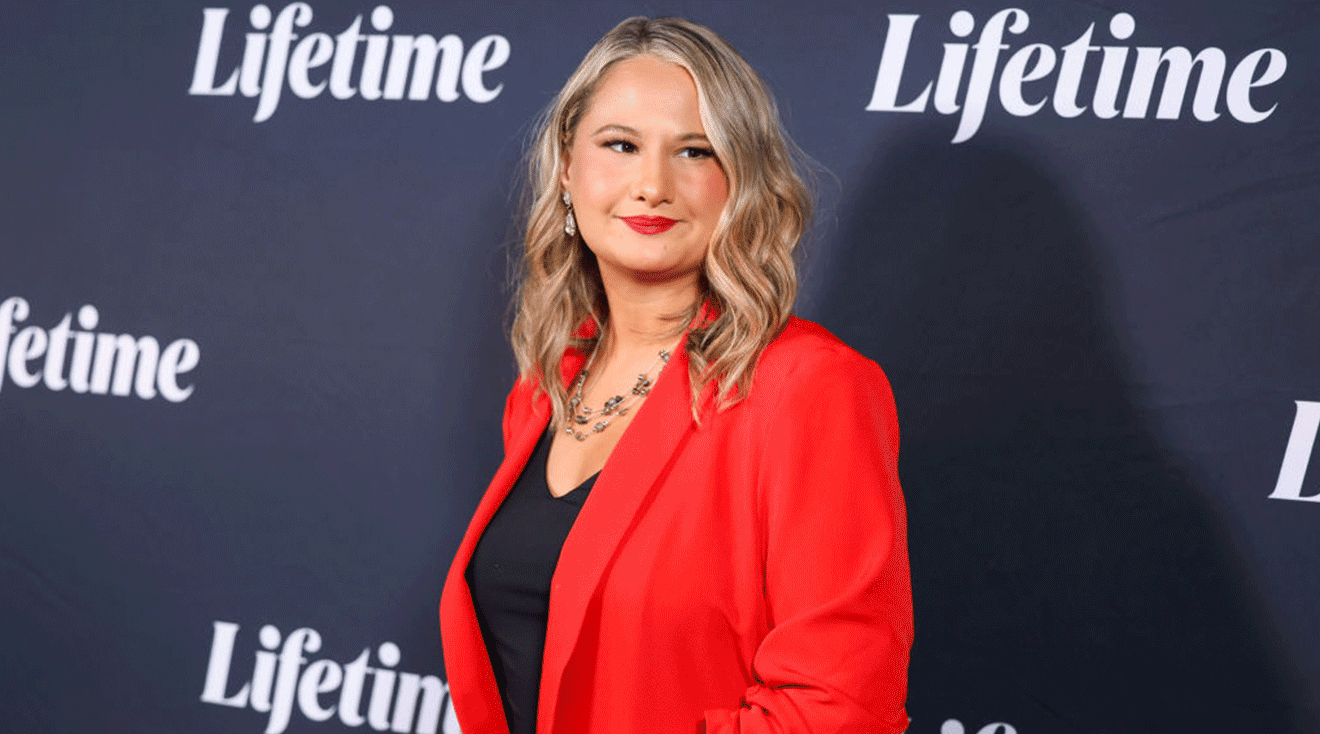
(1301, 444)
(954, 726)
(101, 364)
(403, 62)
(1034, 62)
(392, 704)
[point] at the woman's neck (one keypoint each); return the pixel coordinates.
(641, 319)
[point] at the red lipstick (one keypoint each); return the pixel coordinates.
(649, 225)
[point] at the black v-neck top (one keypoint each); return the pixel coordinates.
(509, 576)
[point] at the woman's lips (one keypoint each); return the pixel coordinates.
(649, 225)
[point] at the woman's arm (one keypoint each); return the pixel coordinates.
(836, 574)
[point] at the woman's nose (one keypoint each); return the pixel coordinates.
(653, 179)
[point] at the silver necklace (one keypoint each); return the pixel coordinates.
(616, 406)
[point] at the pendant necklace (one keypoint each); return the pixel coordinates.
(581, 415)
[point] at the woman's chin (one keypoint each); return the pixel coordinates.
(656, 273)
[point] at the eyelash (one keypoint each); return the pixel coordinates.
(624, 146)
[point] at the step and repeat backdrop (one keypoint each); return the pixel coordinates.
(253, 275)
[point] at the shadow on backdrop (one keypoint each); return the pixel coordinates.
(1067, 575)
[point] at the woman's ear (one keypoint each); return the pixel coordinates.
(563, 169)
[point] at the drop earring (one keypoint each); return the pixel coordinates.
(570, 224)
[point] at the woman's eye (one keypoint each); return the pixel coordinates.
(696, 152)
(620, 146)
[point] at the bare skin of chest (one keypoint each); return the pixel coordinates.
(572, 461)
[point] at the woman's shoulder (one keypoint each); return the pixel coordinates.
(524, 400)
(811, 385)
(806, 350)
(805, 362)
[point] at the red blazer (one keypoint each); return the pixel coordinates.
(746, 575)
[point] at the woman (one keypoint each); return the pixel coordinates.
(697, 525)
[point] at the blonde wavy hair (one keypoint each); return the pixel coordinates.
(749, 275)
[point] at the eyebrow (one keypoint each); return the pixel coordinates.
(633, 131)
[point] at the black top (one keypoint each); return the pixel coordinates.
(510, 576)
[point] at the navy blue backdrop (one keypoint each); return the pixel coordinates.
(253, 265)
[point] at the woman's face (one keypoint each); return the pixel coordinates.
(645, 185)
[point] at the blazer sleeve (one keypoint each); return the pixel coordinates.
(836, 582)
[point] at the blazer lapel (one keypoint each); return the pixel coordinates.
(630, 475)
(464, 648)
